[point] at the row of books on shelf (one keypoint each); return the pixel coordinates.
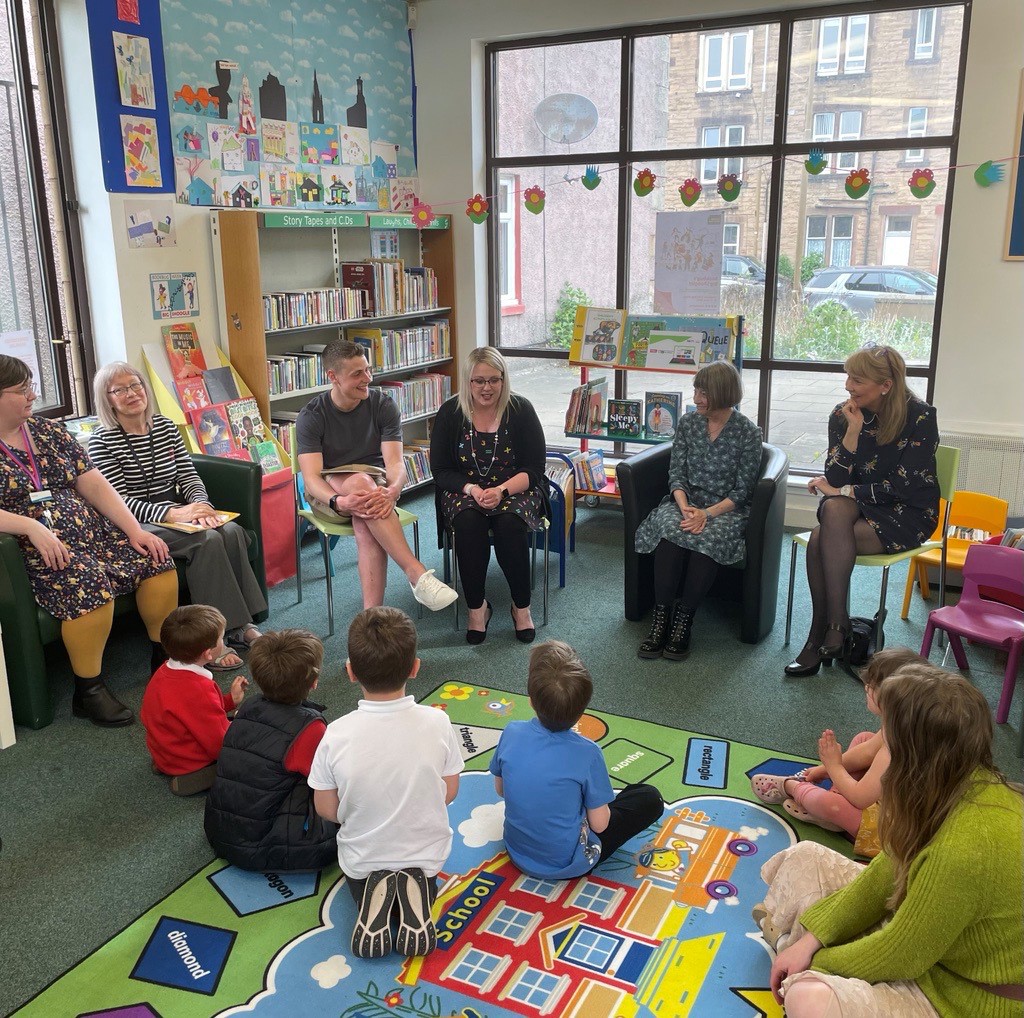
(587, 404)
(611, 337)
(387, 349)
(588, 469)
(293, 309)
(591, 412)
(419, 395)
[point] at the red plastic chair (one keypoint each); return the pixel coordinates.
(989, 622)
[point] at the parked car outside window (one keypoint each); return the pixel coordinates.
(868, 290)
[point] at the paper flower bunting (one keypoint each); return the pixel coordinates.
(988, 173)
(591, 178)
(922, 183)
(422, 213)
(815, 162)
(729, 187)
(477, 208)
(644, 183)
(690, 191)
(857, 183)
(533, 199)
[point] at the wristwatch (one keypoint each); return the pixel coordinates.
(504, 492)
(330, 503)
(846, 491)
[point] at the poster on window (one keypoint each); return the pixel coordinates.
(688, 263)
(22, 344)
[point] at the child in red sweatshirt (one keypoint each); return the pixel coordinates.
(183, 710)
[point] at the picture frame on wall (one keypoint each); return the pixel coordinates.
(1014, 250)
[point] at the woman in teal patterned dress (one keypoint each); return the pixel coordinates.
(879, 491)
(701, 523)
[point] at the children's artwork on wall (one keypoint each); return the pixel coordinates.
(280, 141)
(277, 186)
(227, 147)
(339, 184)
(403, 190)
(128, 10)
(246, 110)
(189, 137)
(134, 71)
(190, 98)
(239, 190)
(384, 158)
(195, 181)
(141, 152)
(308, 189)
(150, 223)
(174, 294)
(273, 99)
(355, 146)
(252, 149)
(318, 144)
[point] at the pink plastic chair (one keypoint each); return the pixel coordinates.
(989, 622)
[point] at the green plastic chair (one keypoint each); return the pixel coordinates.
(947, 465)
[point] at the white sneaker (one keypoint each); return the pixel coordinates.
(432, 593)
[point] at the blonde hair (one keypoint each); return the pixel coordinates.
(491, 357)
(884, 663)
(880, 364)
(100, 384)
(938, 729)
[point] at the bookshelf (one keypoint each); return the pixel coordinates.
(296, 252)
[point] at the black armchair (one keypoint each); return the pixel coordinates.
(231, 484)
(643, 483)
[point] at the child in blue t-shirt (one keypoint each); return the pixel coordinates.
(561, 816)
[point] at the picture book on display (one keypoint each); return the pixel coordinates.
(610, 337)
(625, 418)
(246, 425)
(585, 415)
(661, 414)
(213, 431)
(265, 453)
(589, 471)
(183, 350)
(192, 394)
(220, 385)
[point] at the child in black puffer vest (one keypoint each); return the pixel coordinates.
(259, 814)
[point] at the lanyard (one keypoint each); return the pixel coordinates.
(32, 470)
(146, 478)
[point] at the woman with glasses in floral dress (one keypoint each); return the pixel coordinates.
(487, 455)
(879, 493)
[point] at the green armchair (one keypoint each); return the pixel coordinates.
(231, 484)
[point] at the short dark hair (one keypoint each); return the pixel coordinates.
(190, 630)
(558, 684)
(13, 372)
(721, 383)
(339, 350)
(382, 648)
(285, 664)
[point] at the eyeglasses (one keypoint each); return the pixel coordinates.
(122, 390)
(482, 383)
(26, 390)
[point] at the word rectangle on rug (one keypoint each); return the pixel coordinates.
(661, 928)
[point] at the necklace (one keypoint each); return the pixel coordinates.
(482, 473)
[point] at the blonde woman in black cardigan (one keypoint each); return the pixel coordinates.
(487, 455)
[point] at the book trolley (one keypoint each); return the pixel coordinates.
(611, 339)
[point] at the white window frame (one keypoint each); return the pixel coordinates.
(856, 61)
(528, 978)
(709, 167)
(498, 924)
(507, 235)
(850, 124)
(916, 130)
(734, 137)
(832, 34)
(475, 967)
(822, 240)
(924, 33)
(730, 247)
(828, 48)
(726, 77)
(836, 237)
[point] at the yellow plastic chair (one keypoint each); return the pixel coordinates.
(971, 510)
(947, 463)
(329, 535)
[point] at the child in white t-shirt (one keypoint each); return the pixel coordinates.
(386, 773)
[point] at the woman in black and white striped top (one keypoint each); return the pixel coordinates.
(144, 457)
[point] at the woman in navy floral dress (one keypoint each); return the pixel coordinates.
(82, 545)
(487, 455)
(879, 491)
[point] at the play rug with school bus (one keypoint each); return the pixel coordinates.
(662, 928)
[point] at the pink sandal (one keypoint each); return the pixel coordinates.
(770, 788)
(795, 810)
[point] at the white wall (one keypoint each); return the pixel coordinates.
(981, 360)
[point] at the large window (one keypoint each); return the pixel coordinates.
(799, 253)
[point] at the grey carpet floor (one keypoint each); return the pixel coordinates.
(91, 838)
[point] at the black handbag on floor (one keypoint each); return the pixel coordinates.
(865, 637)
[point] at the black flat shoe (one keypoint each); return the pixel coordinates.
(476, 636)
(523, 635)
(807, 662)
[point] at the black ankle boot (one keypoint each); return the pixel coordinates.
(94, 701)
(157, 657)
(652, 647)
(678, 645)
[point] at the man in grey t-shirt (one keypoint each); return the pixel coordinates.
(353, 426)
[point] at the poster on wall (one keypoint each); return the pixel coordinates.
(150, 223)
(174, 294)
(141, 152)
(134, 70)
(688, 263)
(22, 344)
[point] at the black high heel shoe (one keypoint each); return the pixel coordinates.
(807, 662)
(829, 649)
(476, 636)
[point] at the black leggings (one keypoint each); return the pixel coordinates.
(671, 562)
(473, 552)
(633, 810)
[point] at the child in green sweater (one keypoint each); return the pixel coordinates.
(932, 926)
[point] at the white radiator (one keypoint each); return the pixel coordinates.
(991, 464)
